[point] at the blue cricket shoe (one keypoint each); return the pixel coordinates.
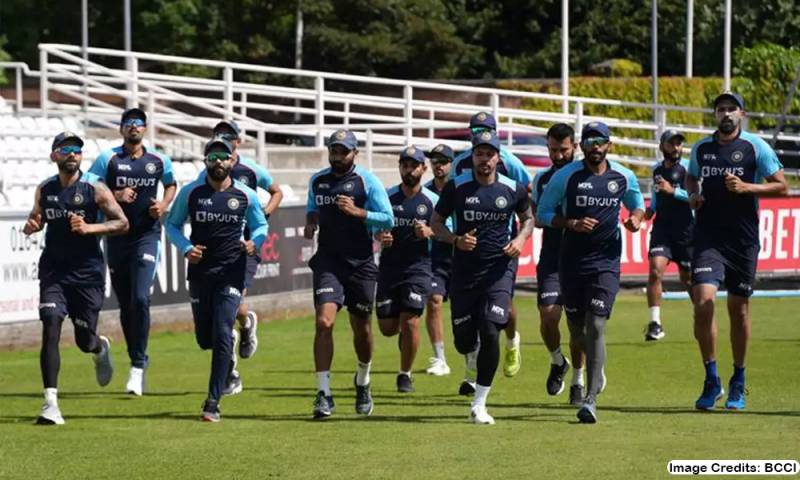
(736, 394)
(712, 391)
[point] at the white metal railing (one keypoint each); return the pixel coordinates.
(393, 115)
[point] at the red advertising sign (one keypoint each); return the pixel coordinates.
(779, 231)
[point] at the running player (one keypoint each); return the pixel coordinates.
(584, 198)
(671, 235)
(482, 203)
(726, 177)
(73, 205)
(132, 173)
(441, 158)
(404, 273)
(218, 208)
(512, 167)
(561, 147)
(346, 203)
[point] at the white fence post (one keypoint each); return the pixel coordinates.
(431, 118)
(495, 105)
(408, 94)
(260, 148)
(369, 149)
(228, 78)
(347, 114)
(19, 89)
(151, 119)
(578, 116)
(43, 83)
(319, 103)
(133, 82)
(243, 107)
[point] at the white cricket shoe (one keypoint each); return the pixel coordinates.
(438, 367)
(135, 383)
(51, 414)
(479, 416)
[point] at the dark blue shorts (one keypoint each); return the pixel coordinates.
(486, 303)
(548, 285)
(589, 293)
(252, 268)
(725, 263)
(408, 295)
(676, 248)
(351, 285)
(81, 302)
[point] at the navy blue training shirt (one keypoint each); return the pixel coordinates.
(673, 214)
(408, 254)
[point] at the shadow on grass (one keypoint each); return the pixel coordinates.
(122, 395)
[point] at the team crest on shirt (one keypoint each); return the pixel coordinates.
(233, 204)
(243, 179)
(501, 202)
(77, 199)
(612, 186)
(737, 156)
(676, 175)
(348, 187)
(150, 168)
(422, 209)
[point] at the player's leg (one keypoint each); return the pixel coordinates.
(574, 304)
(707, 274)
(512, 360)
(412, 299)
(578, 357)
(433, 321)
(142, 276)
(84, 304)
(359, 295)
(247, 319)
(225, 301)
(52, 311)
(387, 309)
(122, 282)
(739, 279)
(548, 301)
(659, 259)
(465, 335)
(328, 299)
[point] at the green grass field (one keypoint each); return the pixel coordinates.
(646, 414)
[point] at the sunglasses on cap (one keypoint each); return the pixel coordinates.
(478, 130)
(69, 149)
(133, 122)
(217, 157)
(592, 141)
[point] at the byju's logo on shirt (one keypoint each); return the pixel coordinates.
(478, 216)
(214, 217)
(708, 171)
(322, 200)
(123, 182)
(588, 201)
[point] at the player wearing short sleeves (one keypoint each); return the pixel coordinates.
(404, 273)
(671, 235)
(728, 172)
(483, 204)
(585, 198)
(347, 204)
(132, 173)
(441, 158)
(76, 208)
(512, 167)
(561, 148)
(218, 208)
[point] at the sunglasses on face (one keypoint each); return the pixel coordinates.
(133, 122)
(595, 141)
(69, 149)
(217, 157)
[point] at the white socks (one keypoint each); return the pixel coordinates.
(556, 357)
(362, 374)
(407, 374)
(577, 376)
(481, 393)
(438, 350)
(324, 382)
(51, 396)
(655, 314)
(513, 342)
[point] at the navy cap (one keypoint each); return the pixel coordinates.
(63, 137)
(230, 124)
(411, 152)
(595, 129)
(670, 134)
(442, 150)
(735, 97)
(345, 138)
(486, 138)
(483, 119)
(134, 112)
(218, 141)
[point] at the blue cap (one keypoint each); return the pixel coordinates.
(62, 137)
(218, 141)
(412, 152)
(483, 119)
(442, 150)
(735, 97)
(595, 129)
(345, 138)
(670, 134)
(230, 124)
(133, 112)
(486, 138)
